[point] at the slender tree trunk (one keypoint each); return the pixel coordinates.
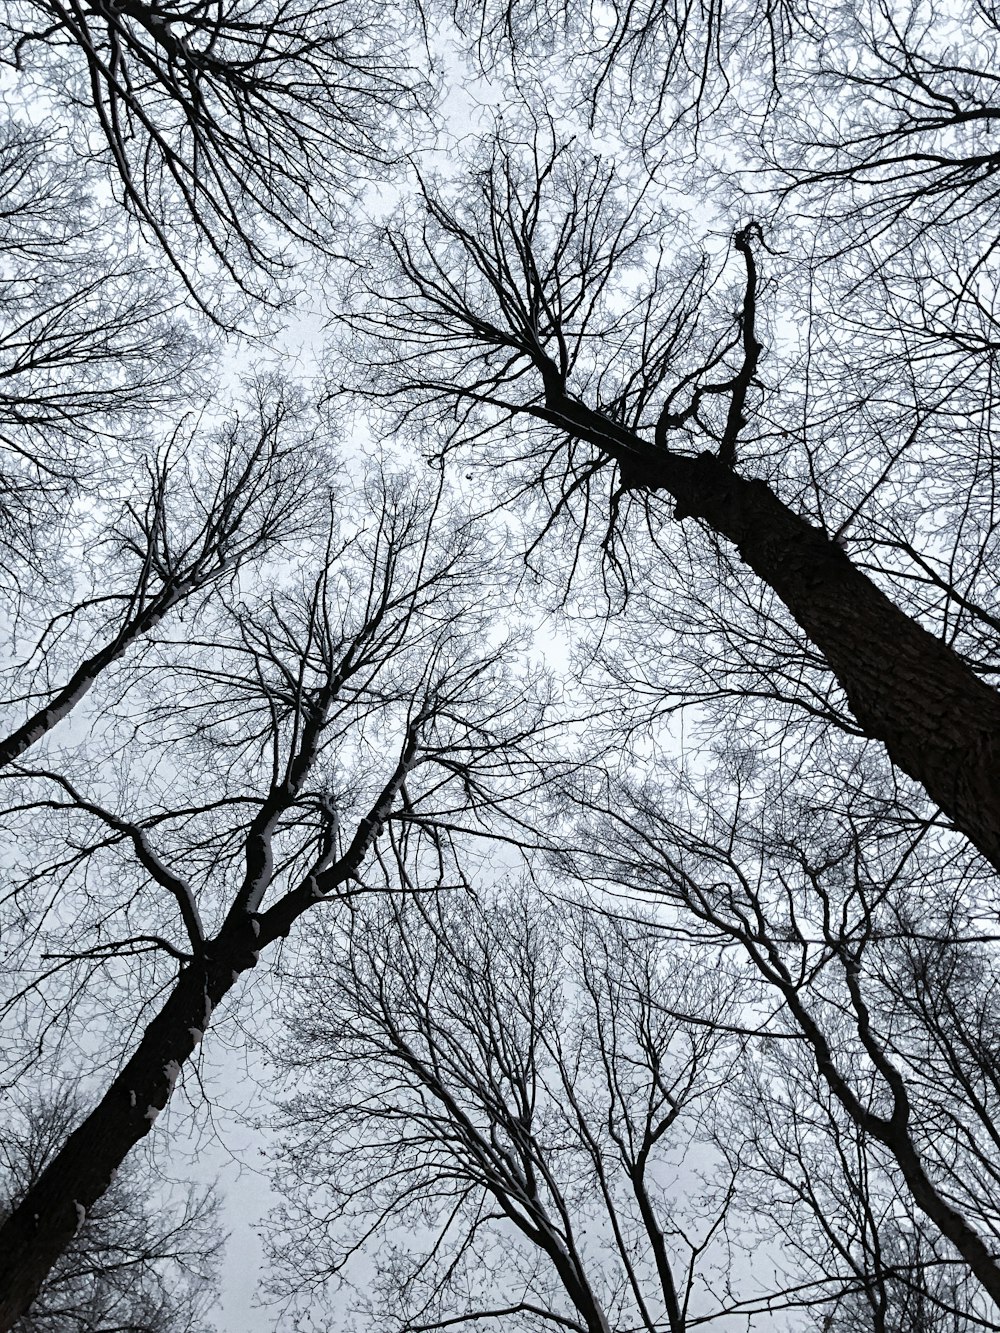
(38, 1230)
(578, 1289)
(939, 722)
(966, 1240)
(891, 1131)
(668, 1287)
(64, 700)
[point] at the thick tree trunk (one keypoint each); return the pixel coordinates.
(40, 1227)
(939, 722)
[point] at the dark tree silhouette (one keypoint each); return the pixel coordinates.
(516, 1081)
(197, 516)
(764, 437)
(872, 941)
(282, 735)
(498, 303)
(226, 129)
(135, 1262)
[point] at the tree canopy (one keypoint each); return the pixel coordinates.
(570, 685)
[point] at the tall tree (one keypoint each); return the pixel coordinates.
(852, 1239)
(253, 770)
(877, 948)
(137, 1262)
(546, 303)
(515, 1083)
(199, 511)
(225, 131)
(786, 438)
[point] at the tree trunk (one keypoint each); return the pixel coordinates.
(950, 1222)
(40, 1227)
(939, 722)
(675, 1318)
(64, 700)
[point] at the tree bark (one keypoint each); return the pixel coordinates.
(64, 700)
(939, 722)
(675, 1317)
(948, 1220)
(37, 1231)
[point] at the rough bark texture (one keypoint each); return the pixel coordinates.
(939, 722)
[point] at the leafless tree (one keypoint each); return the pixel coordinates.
(519, 1090)
(877, 948)
(859, 1252)
(295, 744)
(545, 306)
(661, 64)
(901, 129)
(910, 1287)
(778, 440)
(226, 130)
(92, 350)
(138, 1263)
(196, 516)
